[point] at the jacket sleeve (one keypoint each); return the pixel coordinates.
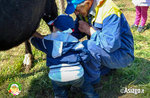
(108, 38)
(39, 44)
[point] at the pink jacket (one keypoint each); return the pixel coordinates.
(141, 2)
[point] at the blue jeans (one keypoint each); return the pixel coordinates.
(60, 90)
(88, 90)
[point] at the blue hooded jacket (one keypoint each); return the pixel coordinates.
(65, 54)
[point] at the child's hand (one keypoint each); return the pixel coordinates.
(38, 35)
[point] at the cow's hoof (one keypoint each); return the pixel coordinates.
(27, 63)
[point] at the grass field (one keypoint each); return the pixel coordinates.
(36, 84)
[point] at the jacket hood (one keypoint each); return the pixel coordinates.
(62, 43)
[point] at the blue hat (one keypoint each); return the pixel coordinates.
(71, 5)
(63, 22)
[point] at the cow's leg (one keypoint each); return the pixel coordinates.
(28, 59)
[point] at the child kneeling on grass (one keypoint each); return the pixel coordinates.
(65, 57)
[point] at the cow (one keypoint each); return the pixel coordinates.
(19, 19)
(50, 13)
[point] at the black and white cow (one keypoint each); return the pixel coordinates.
(19, 19)
(50, 13)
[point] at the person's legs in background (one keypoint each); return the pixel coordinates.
(144, 10)
(137, 17)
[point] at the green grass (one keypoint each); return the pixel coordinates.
(122, 5)
(36, 84)
(130, 9)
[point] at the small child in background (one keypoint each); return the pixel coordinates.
(65, 57)
(141, 14)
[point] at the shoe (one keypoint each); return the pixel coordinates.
(141, 29)
(134, 26)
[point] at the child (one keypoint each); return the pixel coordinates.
(65, 54)
(141, 13)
